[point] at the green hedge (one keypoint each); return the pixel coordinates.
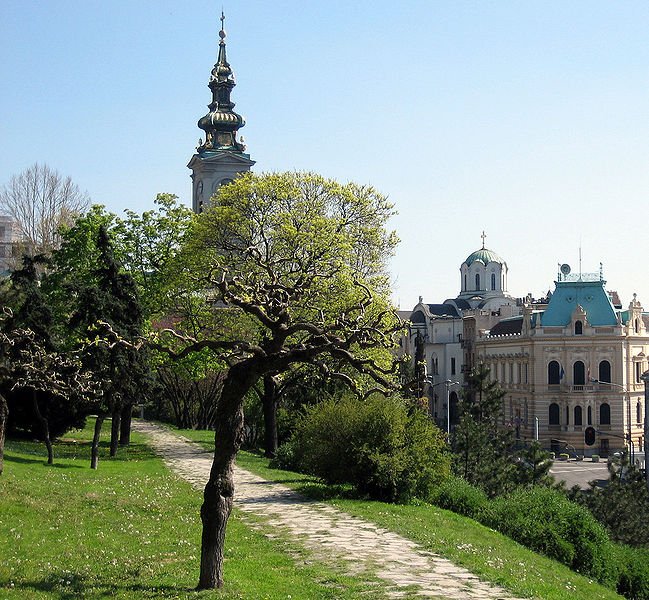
(546, 521)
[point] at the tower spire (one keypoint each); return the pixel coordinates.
(221, 123)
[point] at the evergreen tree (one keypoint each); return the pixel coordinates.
(533, 466)
(107, 295)
(483, 450)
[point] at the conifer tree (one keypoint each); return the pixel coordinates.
(483, 448)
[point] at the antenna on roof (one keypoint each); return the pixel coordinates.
(579, 259)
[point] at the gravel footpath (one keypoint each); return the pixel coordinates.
(327, 532)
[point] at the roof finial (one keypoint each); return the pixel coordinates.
(483, 236)
(222, 32)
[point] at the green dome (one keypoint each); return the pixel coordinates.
(484, 256)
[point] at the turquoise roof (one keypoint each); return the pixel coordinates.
(590, 295)
(484, 256)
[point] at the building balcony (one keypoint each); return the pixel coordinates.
(589, 388)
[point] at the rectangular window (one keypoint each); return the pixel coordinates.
(452, 366)
(638, 371)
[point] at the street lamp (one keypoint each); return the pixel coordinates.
(645, 379)
(447, 384)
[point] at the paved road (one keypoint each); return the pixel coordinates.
(328, 532)
(579, 472)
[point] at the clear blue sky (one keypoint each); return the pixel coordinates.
(528, 120)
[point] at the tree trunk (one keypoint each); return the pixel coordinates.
(125, 425)
(45, 428)
(94, 452)
(270, 402)
(4, 415)
(114, 429)
(219, 491)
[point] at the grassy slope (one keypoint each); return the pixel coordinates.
(131, 530)
(485, 552)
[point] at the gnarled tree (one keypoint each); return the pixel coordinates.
(294, 269)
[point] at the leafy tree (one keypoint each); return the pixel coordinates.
(483, 450)
(42, 201)
(145, 245)
(293, 268)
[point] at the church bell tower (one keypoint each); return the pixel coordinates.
(221, 156)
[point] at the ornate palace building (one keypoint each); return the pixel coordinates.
(572, 363)
(567, 362)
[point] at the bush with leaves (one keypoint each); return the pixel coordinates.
(633, 578)
(378, 445)
(461, 497)
(545, 521)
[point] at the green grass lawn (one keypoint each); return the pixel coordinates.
(132, 530)
(483, 551)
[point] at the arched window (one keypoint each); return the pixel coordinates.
(554, 373)
(638, 413)
(605, 371)
(553, 414)
(577, 419)
(605, 414)
(578, 373)
(477, 281)
(493, 281)
(579, 328)
(590, 415)
(466, 285)
(636, 326)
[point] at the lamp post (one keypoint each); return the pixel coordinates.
(447, 384)
(645, 379)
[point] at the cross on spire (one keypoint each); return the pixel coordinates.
(483, 236)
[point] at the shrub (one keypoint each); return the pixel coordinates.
(461, 497)
(285, 458)
(544, 520)
(376, 445)
(633, 580)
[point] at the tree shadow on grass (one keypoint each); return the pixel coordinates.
(64, 585)
(40, 461)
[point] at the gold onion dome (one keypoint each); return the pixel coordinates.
(221, 123)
